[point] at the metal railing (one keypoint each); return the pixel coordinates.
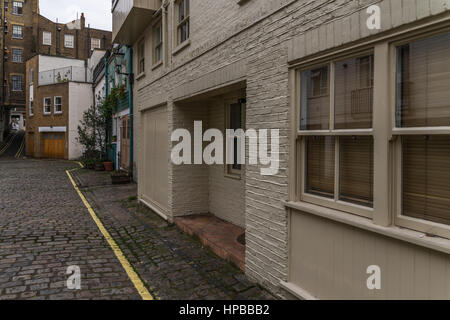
(61, 75)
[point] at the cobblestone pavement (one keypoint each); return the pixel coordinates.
(44, 228)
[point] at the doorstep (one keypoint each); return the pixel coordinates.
(218, 235)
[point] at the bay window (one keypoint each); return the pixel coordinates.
(373, 133)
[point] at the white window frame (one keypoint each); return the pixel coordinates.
(422, 225)
(179, 24)
(21, 6)
(334, 203)
(21, 31)
(158, 45)
(46, 38)
(55, 104)
(69, 41)
(95, 45)
(50, 106)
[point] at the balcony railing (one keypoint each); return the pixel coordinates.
(131, 17)
(78, 74)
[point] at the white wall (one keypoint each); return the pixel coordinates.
(80, 99)
(47, 63)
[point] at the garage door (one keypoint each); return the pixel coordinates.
(54, 145)
(155, 162)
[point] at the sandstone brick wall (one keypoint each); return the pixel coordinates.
(257, 34)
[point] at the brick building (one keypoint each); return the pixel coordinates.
(26, 34)
(354, 192)
(58, 90)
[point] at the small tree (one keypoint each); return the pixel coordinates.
(93, 131)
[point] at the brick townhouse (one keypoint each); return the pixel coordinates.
(25, 34)
(59, 85)
(364, 181)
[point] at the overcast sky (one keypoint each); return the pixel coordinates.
(97, 12)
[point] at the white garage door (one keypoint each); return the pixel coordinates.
(155, 162)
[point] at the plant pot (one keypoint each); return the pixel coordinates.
(109, 166)
(99, 167)
(120, 179)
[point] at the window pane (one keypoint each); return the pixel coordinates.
(320, 159)
(423, 83)
(315, 103)
(426, 178)
(354, 93)
(356, 170)
(236, 124)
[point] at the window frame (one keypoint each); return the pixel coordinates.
(155, 45)
(44, 42)
(55, 104)
(72, 41)
(99, 43)
(21, 6)
(12, 82)
(21, 55)
(179, 24)
(50, 106)
(421, 225)
(21, 31)
(230, 172)
(141, 57)
(31, 108)
(301, 163)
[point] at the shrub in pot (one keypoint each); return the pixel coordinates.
(109, 166)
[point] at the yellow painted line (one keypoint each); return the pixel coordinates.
(137, 282)
(20, 148)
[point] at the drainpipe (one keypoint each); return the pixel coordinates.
(130, 84)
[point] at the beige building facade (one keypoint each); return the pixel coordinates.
(357, 193)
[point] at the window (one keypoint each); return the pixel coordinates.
(141, 56)
(17, 7)
(68, 41)
(95, 43)
(183, 21)
(47, 105)
(235, 121)
(31, 108)
(58, 105)
(157, 43)
(422, 122)
(17, 55)
(336, 134)
(47, 38)
(31, 76)
(16, 83)
(17, 32)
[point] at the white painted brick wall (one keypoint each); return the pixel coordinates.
(223, 33)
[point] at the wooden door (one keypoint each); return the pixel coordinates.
(125, 143)
(54, 145)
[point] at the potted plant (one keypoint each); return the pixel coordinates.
(120, 177)
(108, 165)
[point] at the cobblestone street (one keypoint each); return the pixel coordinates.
(45, 228)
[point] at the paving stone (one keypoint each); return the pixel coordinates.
(46, 228)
